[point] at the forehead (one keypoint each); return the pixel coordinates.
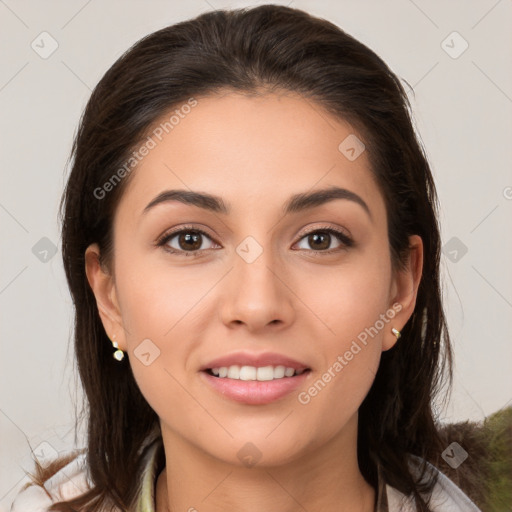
(250, 149)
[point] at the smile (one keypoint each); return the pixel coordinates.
(264, 373)
(273, 383)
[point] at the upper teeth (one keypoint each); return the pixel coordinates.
(253, 373)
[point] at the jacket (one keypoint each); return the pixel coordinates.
(73, 480)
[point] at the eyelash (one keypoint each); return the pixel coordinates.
(346, 241)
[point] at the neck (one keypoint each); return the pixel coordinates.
(324, 479)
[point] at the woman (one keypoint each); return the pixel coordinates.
(251, 242)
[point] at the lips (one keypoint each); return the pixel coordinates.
(266, 389)
(257, 360)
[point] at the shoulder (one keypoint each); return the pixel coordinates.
(69, 477)
(445, 497)
(68, 482)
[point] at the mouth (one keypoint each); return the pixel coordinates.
(251, 385)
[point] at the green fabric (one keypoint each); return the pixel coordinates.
(152, 466)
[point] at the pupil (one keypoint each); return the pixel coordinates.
(316, 237)
(188, 239)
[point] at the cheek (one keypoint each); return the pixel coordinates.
(155, 297)
(352, 303)
(350, 350)
(158, 302)
(351, 298)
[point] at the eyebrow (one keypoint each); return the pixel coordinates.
(295, 204)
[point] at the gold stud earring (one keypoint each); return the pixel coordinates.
(396, 332)
(118, 354)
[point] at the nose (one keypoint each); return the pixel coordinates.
(257, 294)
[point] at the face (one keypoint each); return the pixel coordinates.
(304, 284)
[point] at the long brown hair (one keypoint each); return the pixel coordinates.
(268, 47)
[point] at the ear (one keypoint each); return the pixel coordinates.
(404, 290)
(103, 287)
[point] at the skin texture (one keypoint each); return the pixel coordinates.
(254, 152)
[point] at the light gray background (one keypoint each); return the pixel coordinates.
(463, 110)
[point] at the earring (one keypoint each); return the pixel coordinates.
(118, 354)
(396, 332)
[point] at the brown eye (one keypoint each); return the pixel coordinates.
(186, 242)
(189, 241)
(321, 239)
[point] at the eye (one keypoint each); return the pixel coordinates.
(189, 241)
(320, 240)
